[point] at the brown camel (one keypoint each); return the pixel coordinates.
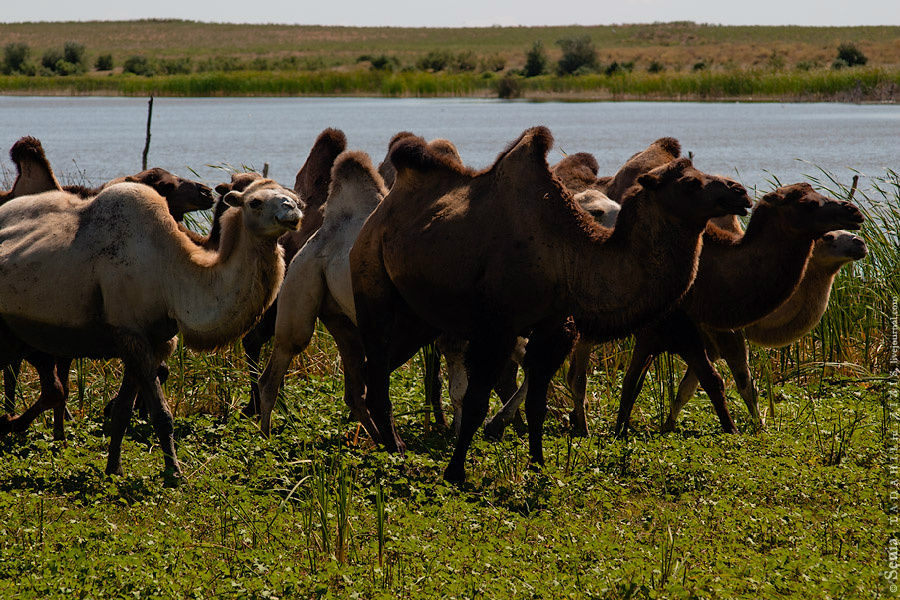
(489, 256)
(126, 280)
(741, 279)
(578, 172)
(311, 185)
(785, 325)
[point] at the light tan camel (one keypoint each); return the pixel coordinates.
(502, 253)
(785, 325)
(317, 286)
(126, 280)
(311, 185)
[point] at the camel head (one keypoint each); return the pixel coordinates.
(837, 248)
(804, 211)
(692, 195)
(34, 174)
(578, 172)
(269, 209)
(182, 195)
(314, 176)
(601, 208)
(661, 152)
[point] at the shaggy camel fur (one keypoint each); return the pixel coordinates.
(126, 280)
(439, 146)
(490, 256)
(579, 173)
(311, 185)
(317, 286)
(741, 279)
(182, 196)
(605, 212)
(785, 325)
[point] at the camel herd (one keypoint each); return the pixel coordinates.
(519, 264)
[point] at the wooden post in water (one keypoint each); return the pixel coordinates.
(265, 172)
(147, 142)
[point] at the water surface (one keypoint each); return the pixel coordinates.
(96, 139)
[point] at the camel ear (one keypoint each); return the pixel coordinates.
(223, 188)
(233, 199)
(775, 198)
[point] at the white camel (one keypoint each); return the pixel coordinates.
(114, 277)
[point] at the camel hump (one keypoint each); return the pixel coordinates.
(532, 145)
(34, 174)
(28, 148)
(312, 180)
(670, 145)
(581, 160)
(445, 148)
(413, 153)
(354, 182)
(399, 136)
(331, 139)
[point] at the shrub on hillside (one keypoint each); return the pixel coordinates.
(578, 55)
(104, 62)
(14, 56)
(535, 60)
(850, 55)
(139, 65)
(436, 60)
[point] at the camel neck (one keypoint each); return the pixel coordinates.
(642, 270)
(218, 295)
(743, 278)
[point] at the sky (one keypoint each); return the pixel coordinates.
(468, 13)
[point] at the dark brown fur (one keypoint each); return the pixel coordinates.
(492, 255)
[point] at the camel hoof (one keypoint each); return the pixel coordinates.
(578, 427)
(172, 477)
(453, 474)
(493, 430)
(115, 470)
(5, 424)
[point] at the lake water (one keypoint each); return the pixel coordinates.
(101, 138)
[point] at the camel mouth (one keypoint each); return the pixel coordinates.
(859, 250)
(737, 206)
(290, 222)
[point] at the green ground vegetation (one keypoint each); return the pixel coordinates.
(655, 61)
(800, 509)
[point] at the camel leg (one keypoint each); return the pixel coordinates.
(577, 379)
(495, 426)
(733, 347)
(353, 357)
(693, 351)
(453, 350)
(433, 384)
(484, 360)
(52, 396)
(641, 357)
(686, 390)
(10, 381)
(142, 359)
(294, 328)
(253, 343)
(120, 416)
(547, 348)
